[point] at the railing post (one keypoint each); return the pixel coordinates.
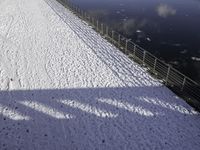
(85, 16)
(93, 21)
(134, 49)
(89, 18)
(126, 46)
(82, 13)
(97, 25)
(168, 71)
(76, 9)
(79, 11)
(113, 36)
(154, 65)
(119, 40)
(107, 31)
(144, 55)
(183, 84)
(70, 5)
(102, 28)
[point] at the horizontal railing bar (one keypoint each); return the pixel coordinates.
(161, 67)
(176, 77)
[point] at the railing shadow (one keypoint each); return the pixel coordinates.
(97, 118)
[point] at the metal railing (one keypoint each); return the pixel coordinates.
(178, 82)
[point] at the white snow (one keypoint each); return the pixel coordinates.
(11, 114)
(195, 58)
(62, 86)
(45, 109)
(127, 106)
(148, 39)
(138, 31)
(87, 108)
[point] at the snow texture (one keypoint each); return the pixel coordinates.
(62, 86)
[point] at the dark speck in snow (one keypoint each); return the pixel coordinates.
(103, 141)
(4, 118)
(27, 130)
(11, 79)
(53, 97)
(45, 135)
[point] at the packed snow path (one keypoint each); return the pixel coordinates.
(64, 87)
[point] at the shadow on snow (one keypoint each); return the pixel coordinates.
(105, 118)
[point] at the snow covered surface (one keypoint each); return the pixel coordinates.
(63, 87)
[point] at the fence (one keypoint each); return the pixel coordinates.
(178, 82)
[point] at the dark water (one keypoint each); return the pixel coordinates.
(170, 29)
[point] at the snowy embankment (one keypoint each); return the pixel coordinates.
(64, 87)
